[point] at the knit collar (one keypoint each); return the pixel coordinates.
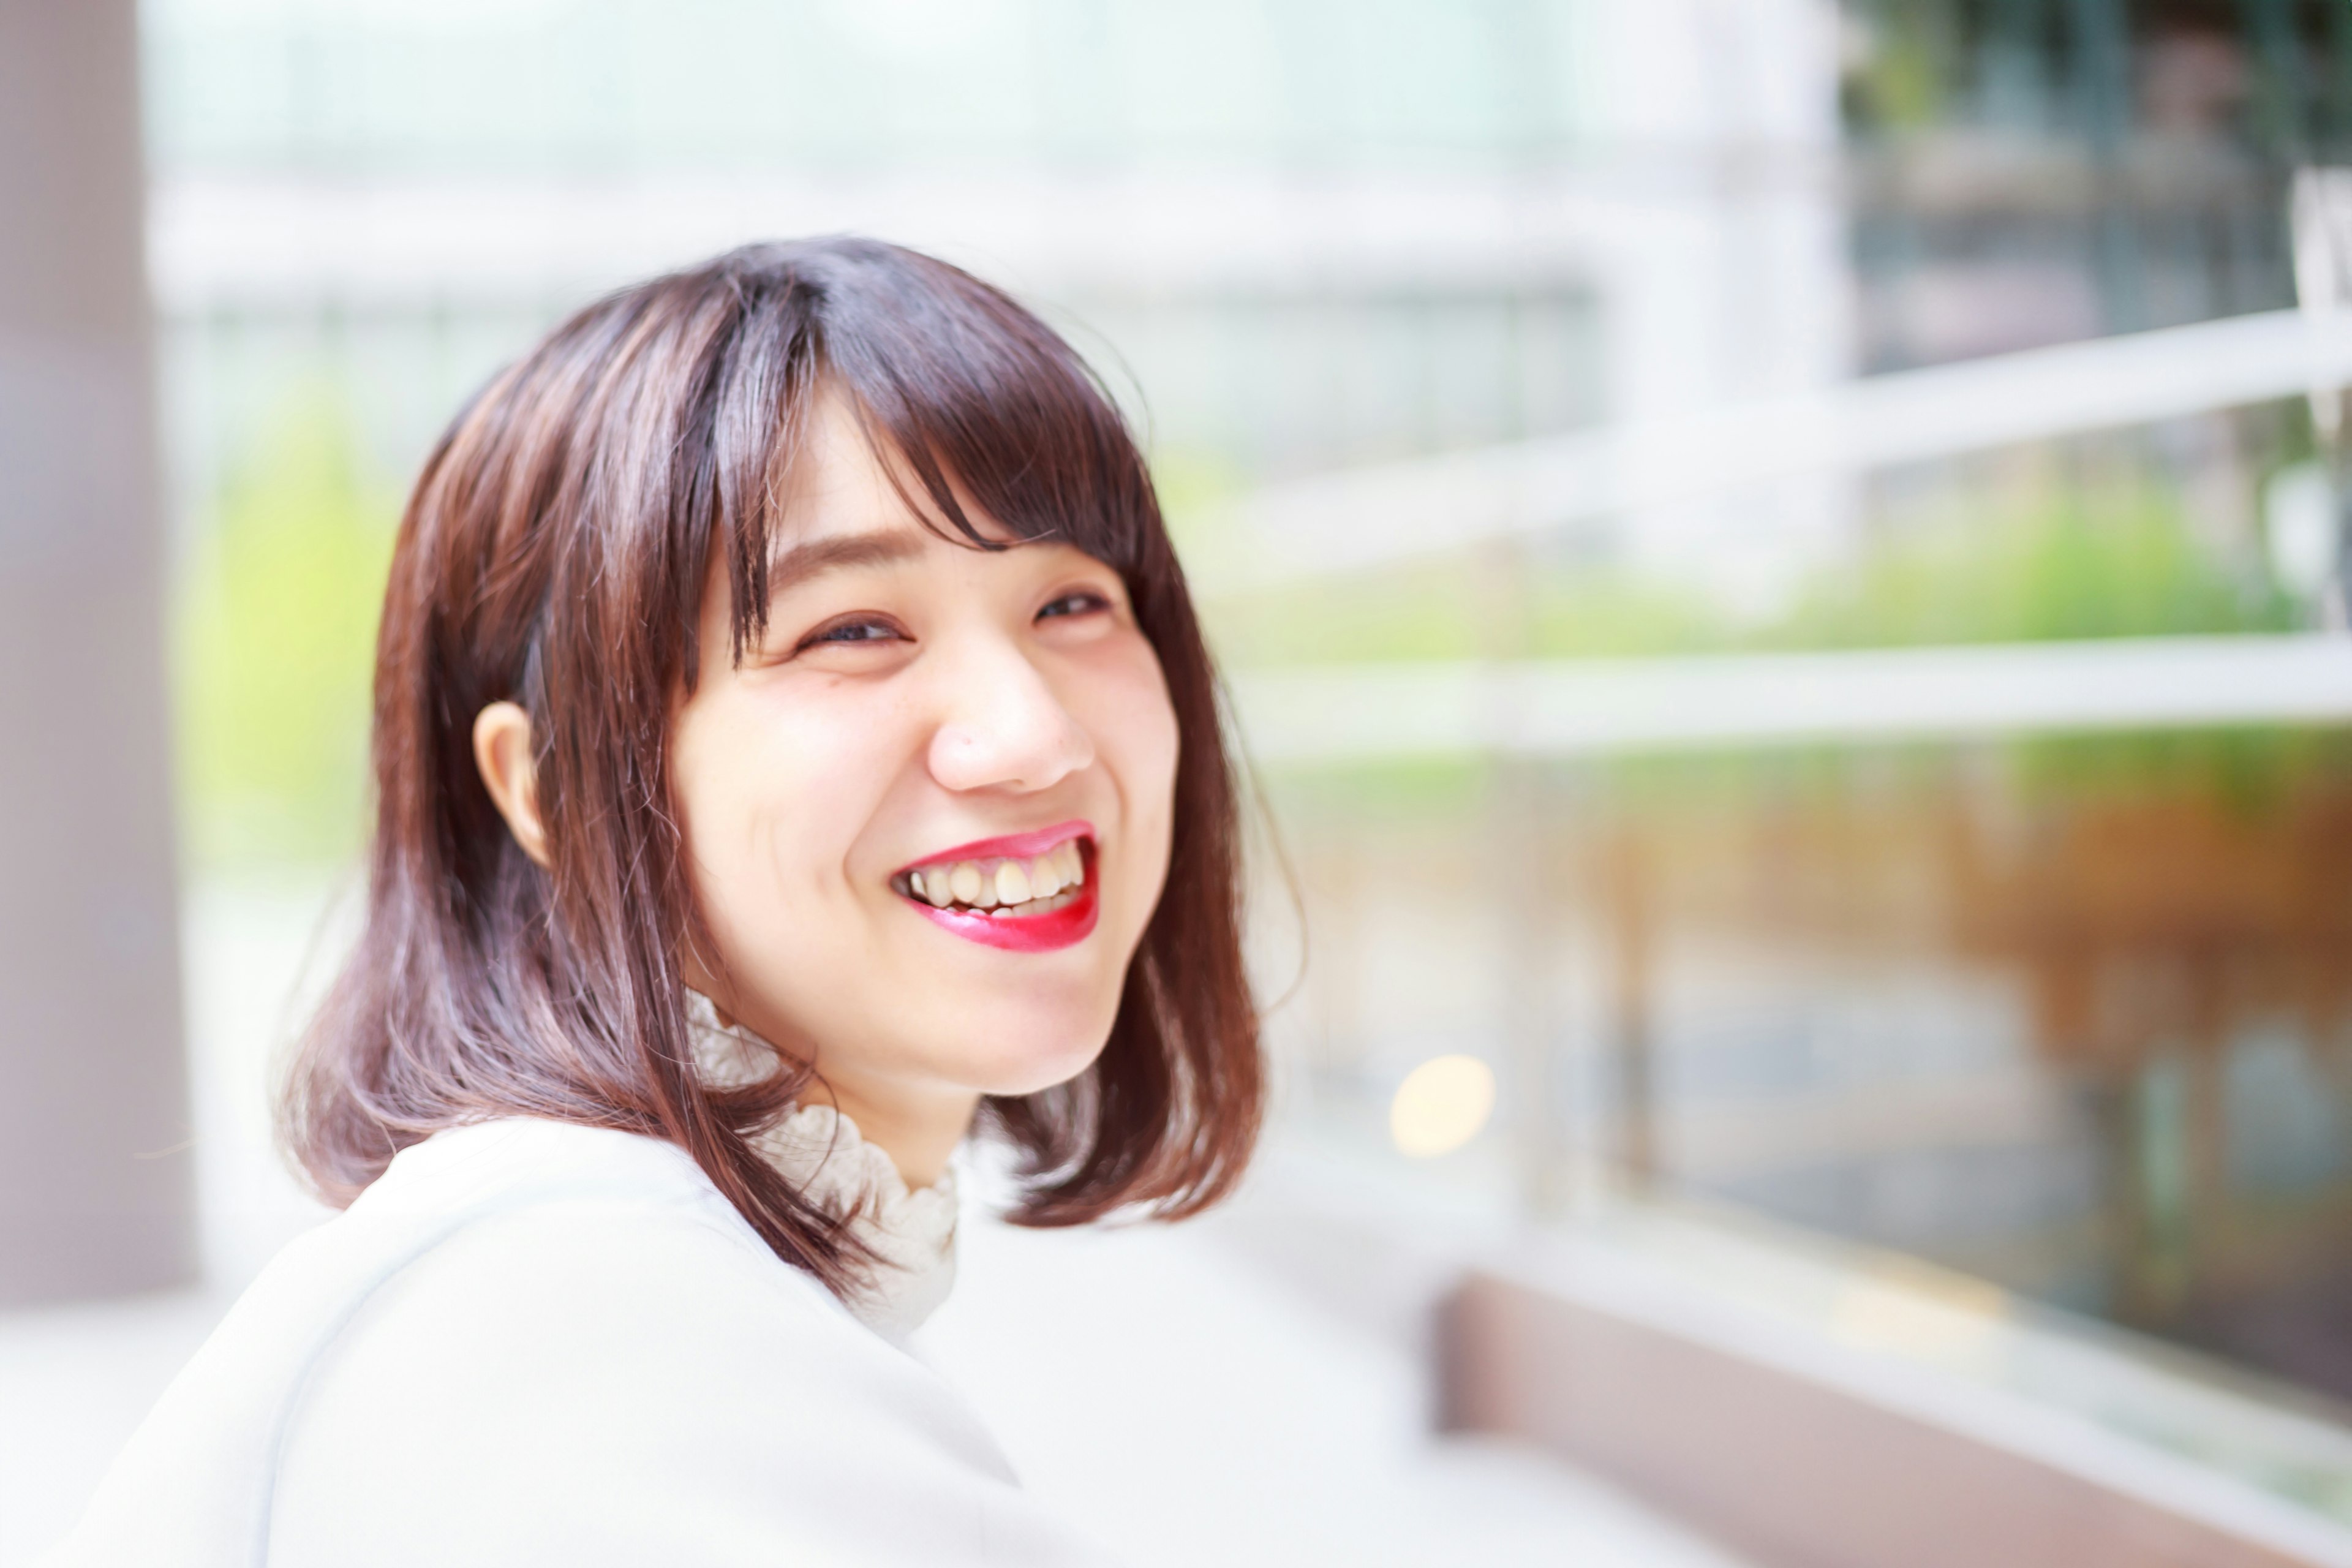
(910, 1231)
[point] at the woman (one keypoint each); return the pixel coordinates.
(786, 703)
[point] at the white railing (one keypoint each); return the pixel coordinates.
(1373, 516)
(1572, 708)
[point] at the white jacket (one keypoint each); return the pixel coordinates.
(536, 1343)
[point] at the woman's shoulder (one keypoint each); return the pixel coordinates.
(521, 1236)
(526, 1240)
(518, 1162)
(615, 1373)
(538, 1343)
(547, 1227)
(578, 1379)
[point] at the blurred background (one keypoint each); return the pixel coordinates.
(1782, 566)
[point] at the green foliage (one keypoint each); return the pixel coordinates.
(1900, 52)
(1625, 616)
(2116, 563)
(1196, 489)
(1459, 610)
(1368, 617)
(2108, 563)
(2119, 560)
(276, 639)
(2246, 771)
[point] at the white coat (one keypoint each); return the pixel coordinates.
(536, 1343)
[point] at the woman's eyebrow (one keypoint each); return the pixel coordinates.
(840, 552)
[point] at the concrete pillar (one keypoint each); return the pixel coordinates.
(96, 1195)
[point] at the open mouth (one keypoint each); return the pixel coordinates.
(1012, 887)
(1028, 892)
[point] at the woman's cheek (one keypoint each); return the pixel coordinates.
(749, 806)
(1159, 743)
(1139, 734)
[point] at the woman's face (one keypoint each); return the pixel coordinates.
(928, 816)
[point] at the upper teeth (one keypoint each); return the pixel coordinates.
(986, 884)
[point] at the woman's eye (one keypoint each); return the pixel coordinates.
(1084, 601)
(862, 630)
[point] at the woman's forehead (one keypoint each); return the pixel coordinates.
(845, 482)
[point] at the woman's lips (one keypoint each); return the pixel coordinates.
(1060, 928)
(1010, 845)
(1025, 892)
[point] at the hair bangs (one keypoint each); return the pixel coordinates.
(969, 403)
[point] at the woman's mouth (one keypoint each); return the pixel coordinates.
(1030, 892)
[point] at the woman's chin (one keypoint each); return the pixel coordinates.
(1016, 1060)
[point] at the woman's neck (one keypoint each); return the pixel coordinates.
(917, 1124)
(919, 1130)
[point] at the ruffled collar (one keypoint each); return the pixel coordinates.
(910, 1231)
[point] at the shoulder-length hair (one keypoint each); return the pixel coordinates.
(554, 554)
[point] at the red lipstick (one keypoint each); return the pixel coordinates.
(1064, 926)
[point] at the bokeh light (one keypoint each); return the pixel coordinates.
(1441, 1105)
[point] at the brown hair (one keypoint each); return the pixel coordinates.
(554, 553)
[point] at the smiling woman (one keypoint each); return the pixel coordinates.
(786, 703)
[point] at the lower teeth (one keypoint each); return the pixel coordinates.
(1018, 911)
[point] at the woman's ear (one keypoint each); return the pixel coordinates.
(502, 752)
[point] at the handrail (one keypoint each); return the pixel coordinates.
(1568, 708)
(1373, 516)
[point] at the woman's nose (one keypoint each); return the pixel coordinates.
(1006, 728)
